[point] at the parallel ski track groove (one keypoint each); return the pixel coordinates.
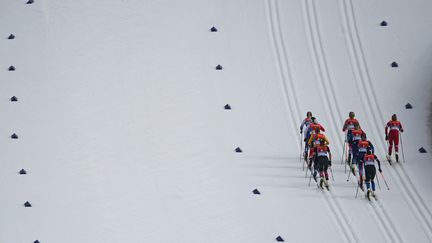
(320, 61)
(390, 223)
(325, 78)
(325, 83)
(414, 199)
(285, 75)
(272, 11)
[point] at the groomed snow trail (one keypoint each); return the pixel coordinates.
(124, 137)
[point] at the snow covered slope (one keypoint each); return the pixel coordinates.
(123, 133)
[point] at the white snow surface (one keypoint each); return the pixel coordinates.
(123, 133)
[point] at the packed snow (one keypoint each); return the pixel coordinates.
(124, 137)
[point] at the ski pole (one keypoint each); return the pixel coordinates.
(301, 147)
(346, 161)
(358, 186)
(403, 154)
(349, 174)
(376, 176)
(343, 148)
(331, 171)
(385, 181)
(310, 178)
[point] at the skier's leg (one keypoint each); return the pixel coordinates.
(390, 140)
(368, 176)
(396, 141)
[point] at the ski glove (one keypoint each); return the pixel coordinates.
(386, 138)
(379, 169)
(329, 162)
(301, 131)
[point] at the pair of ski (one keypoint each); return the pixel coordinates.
(390, 160)
(369, 194)
(322, 184)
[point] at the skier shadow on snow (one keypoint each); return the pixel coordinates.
(278, 176)
(273, 166)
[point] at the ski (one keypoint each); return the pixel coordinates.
(389, 159)
(323, 185)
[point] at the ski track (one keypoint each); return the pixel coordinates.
(390, 225)
(410, 194)
(320, 62)
(382, 218)
(334, 206)
(326, 85)
(284, 73)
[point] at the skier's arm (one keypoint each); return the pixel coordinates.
(330, 156)
(379, 164)
(311, 138)
(301, 126)
(386, 131)
(371, 147)
(326, 141)
(344, 126)
(322, 128)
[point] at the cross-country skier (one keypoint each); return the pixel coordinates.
(356, 135)
(362, 147)
(313, 142)
(393, 136)
(323, 161)
(304, 126)
(312, 128)
(370, 172)
(348, 127)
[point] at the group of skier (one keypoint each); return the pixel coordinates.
(359, 150)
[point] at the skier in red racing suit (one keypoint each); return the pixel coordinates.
(393, 136)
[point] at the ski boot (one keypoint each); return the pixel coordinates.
(374, 195)
(321, 183)
(388, 158)
(397, 156)
(327, 185)
(315, 176)
(368, 194)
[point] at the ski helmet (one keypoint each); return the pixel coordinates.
(351, 114)
(394, 117)
(309, 114)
